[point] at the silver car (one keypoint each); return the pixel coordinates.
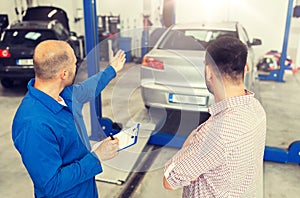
(172, 73)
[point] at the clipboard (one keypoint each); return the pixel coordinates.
(128, 137)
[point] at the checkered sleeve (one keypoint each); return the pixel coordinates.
(201, 154)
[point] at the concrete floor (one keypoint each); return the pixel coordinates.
(280, 100)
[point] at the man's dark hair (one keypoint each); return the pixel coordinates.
(229, 55)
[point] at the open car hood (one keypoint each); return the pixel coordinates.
(47, 13)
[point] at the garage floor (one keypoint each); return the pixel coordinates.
(280, 100)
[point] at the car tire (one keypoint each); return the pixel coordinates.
(7, 83)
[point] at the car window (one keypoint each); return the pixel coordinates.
(27, 37)
(191, 39)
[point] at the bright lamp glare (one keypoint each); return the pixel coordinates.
(214, 3)
(214, 9)
(207, 10)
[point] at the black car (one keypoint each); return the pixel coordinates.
(19, 40)
(47, 13)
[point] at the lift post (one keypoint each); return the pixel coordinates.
(292, 154)
(277, 75)
(93, 62)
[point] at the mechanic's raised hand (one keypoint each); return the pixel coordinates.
(117, 61)
(108, 149)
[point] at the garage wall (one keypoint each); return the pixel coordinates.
(262, 19)
(294, 42)
(8, 7)
(130, 11)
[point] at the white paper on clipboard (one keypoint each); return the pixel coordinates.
(128, 137)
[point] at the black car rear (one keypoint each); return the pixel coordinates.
(18, 44)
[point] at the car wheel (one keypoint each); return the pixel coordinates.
(7, 83)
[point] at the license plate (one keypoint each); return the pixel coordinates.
(25, 62)
(186, 99)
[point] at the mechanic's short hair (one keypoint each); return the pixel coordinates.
(48, 67)
(229, 55)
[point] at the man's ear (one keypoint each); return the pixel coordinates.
(208, 72)
(64, 74)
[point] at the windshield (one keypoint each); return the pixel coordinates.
(191, 39)
(27, 37)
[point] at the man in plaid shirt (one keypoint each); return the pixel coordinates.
(223, 157)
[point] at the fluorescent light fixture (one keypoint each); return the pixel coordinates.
(53, 12)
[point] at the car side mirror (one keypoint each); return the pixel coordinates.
(256, 41)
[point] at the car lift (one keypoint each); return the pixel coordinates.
(292, 154)
(277, 75)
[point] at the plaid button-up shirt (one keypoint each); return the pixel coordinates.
(224, 155)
